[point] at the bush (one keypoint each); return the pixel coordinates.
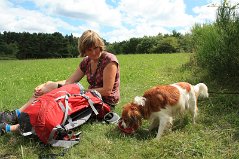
(216, 45)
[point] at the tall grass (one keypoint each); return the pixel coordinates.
(214, 136)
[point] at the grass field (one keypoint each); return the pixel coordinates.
(215, 135)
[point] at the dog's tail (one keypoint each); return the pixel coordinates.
(201, 90)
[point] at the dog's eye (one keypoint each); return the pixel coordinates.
(125, 121)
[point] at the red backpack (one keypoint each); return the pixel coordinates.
(54, 114)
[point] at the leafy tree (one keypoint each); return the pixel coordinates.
(11, 49)
(176, 34)
(145, 45)
(185, 43)
(166, 45)
(132, 45)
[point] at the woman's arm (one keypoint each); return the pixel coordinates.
(45, 88)
(75, 76)
(50, 85)
(109, 75)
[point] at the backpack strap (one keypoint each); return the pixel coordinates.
(82, 89)
(91, 103)
(65, 108)
(69, 138)
(63, 143)
(53, 132)
(78, 119)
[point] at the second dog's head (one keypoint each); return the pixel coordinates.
(132, 113)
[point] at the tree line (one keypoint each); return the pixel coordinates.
(167, 43)
(37, 45)
(44, 45)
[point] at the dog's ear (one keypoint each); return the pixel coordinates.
(139, 100)
(137, 119)
(134, 119)
(135, 116)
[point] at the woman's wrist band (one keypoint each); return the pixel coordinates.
(59, 85)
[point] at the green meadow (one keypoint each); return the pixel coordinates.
(214, 136)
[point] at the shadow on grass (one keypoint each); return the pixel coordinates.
(16, 142)
(143, 133)
(222, 113)
(140, 134)
(221, 110)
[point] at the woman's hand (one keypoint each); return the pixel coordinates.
(45, 88)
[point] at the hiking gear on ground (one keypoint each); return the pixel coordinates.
(52, 116)
(18, 112)
(111, 118)
(125, 130)
(2, 128)
(9, 117)
(8, 128)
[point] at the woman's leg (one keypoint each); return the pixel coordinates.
(6, 128)
(27, 104)
(11, 117)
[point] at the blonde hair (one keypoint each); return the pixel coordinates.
(89, 39)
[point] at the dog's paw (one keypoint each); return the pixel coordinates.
(157, 139)
(145, 129)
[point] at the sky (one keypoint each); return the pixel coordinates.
(113, 20)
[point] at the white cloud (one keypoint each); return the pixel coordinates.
(157, 12)
(19, 19)
(124, 33)
(205, 14)
(97, 11)
(152, 17)
(114, 21)
(218, 2)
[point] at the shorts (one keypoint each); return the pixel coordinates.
(24, 122)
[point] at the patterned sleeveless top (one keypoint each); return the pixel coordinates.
(96, 80)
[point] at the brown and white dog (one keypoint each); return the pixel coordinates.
(161, 103)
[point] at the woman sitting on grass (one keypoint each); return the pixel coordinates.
(101, 69)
